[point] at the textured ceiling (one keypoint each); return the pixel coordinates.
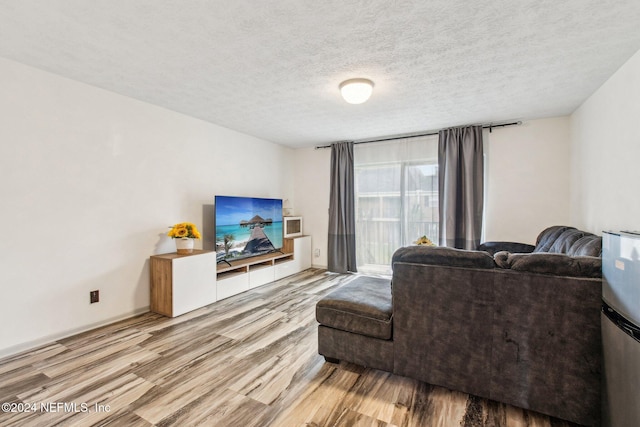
(272, 68)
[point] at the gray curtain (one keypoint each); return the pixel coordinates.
(342, 220)
(461, 186)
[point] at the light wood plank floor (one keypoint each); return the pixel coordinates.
(249, 360)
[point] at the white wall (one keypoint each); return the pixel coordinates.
(90, 183)
(605, 147)
(312, 176)
(527, 179)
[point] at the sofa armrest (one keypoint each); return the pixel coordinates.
(513, 247)
(527, 339)
(547, 330)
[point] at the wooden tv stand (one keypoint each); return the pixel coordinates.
(244, 265)
(181, 283)
(248, 273)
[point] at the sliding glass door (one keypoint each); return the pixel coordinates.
(396, 202)
(421, 201)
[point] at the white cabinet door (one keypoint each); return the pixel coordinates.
(194, 282)
(286, 268)
(232, 285)
(261, 276)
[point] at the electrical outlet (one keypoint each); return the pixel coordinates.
(94, 296)
(317, 253)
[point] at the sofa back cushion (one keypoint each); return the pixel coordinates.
(548, 237)
(588, 245)
(565, 240)
(551, 263)
(568, 240)
(439, 255)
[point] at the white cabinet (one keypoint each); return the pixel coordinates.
(182, 283)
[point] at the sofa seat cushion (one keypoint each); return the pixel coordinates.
(362, 306)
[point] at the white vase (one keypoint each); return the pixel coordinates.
(184, 245)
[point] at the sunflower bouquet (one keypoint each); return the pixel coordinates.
(424, 241)
(184, 230)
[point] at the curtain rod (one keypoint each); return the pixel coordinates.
(393, 138)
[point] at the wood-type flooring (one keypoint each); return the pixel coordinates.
(249, 360)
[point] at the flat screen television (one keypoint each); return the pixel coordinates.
(247, 226)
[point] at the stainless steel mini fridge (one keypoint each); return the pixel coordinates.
(621, 328)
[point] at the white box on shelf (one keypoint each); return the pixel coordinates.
(292, 226)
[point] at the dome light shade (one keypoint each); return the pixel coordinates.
(356, 91)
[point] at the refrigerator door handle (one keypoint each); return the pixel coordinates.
(627, 327)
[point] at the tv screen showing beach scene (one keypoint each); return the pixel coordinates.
(247, 226)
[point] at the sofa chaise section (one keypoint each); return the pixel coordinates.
(356, 324)
(521, 328)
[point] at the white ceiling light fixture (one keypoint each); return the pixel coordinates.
(356, 91)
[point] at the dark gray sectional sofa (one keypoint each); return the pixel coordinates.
(521, 327)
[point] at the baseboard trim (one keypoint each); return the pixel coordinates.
(40, 342)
